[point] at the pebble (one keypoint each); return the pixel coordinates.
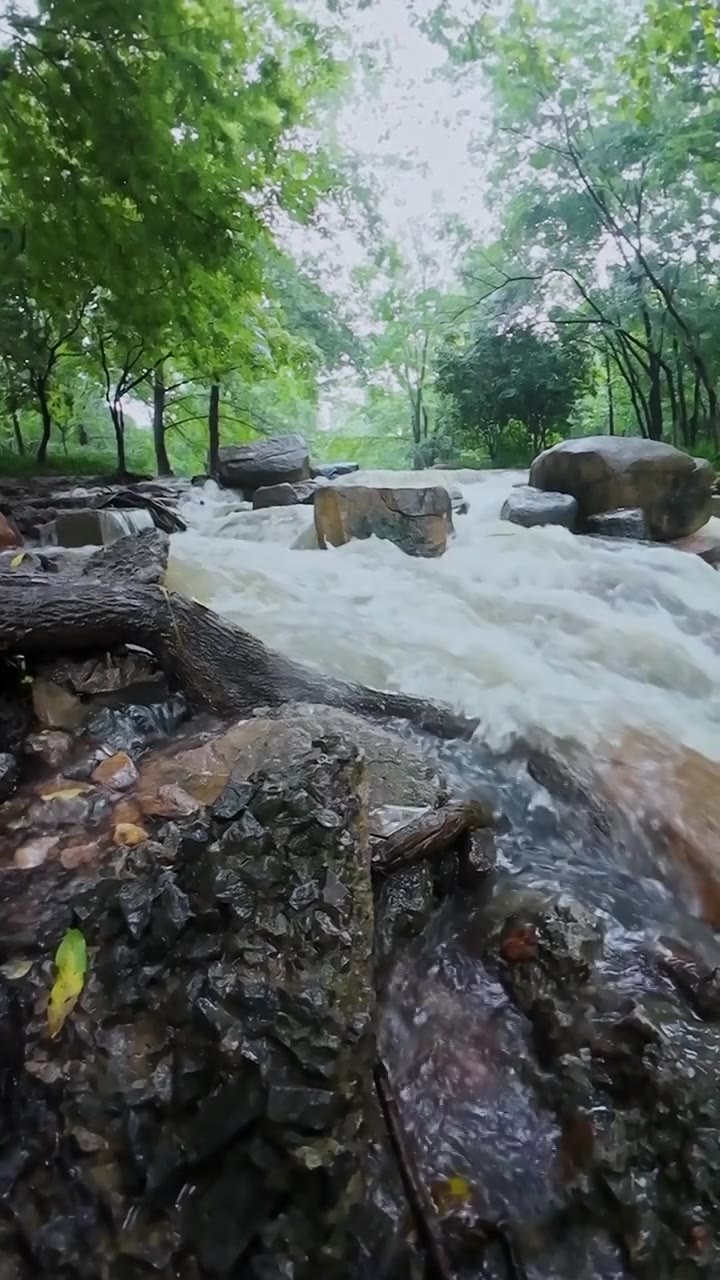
(118, 772)
(35, 852)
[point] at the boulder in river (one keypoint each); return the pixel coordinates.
(333, 470)
(416, 520)
(629, 525)
(279, 460)
(606, 473)
(532, 509)
(285, 495)
(9, 537)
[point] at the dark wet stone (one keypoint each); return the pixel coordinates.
(531, 508)
(130, 728)
(628, 524)
(245, 838)
(224, 1219)
(233, 802)
(8, 774)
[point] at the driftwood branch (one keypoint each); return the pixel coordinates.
(428, 836)
(216, 663)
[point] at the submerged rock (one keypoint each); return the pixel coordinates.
(52, 746)
(55, 707)
(418, 521)
(279, 460)
(607, 473)
(533, 509)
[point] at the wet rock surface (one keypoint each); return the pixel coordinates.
(619, 524)
(532, 509)
(607, 473)
(285, 495)
(419, 521)
(279, 460)
(204, 1110)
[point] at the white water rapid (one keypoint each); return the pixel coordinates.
(536, 631)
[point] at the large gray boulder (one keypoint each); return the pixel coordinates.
(532, 509)
(279, 460)
(605, 473)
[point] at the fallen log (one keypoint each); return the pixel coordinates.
(216, 663)
(431, 834)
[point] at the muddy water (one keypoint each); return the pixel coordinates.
(594, 670)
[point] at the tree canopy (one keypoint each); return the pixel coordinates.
(155, 160)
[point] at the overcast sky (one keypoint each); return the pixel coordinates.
(412, 125)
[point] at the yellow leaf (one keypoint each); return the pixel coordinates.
(451, 1192)
(458, 1188)
(69, 793)
(17, 560)
(70, 970)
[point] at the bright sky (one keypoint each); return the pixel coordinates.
(413, 127)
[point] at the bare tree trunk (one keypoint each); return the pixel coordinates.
(682, 399)
(214, 431)
(162, 461)
(46, 417)
(697, 404)
(17, 432)
(673, 402)
(214, 661)
(610, 393)
(118, 422)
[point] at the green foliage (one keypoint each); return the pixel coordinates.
(512, 392)
(605, 170)
(146, 152)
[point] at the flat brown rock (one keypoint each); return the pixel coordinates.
(416, 520)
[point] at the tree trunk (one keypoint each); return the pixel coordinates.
(682, 398)
(695, 420)
(673, 403)
(17, 432)
(215, 662)
(41, 393)
(162, 462)
(654, 370)
(118, 422)
(610, 394)
(214, 431)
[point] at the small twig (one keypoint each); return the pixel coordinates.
(419, 1200)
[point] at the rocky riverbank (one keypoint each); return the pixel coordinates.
(357, 1001)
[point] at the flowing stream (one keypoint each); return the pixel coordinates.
(534, 631)
(602, 663)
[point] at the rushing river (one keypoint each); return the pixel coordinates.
(531, 630)
(604, 661)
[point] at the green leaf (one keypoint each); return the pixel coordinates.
(71, 962)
